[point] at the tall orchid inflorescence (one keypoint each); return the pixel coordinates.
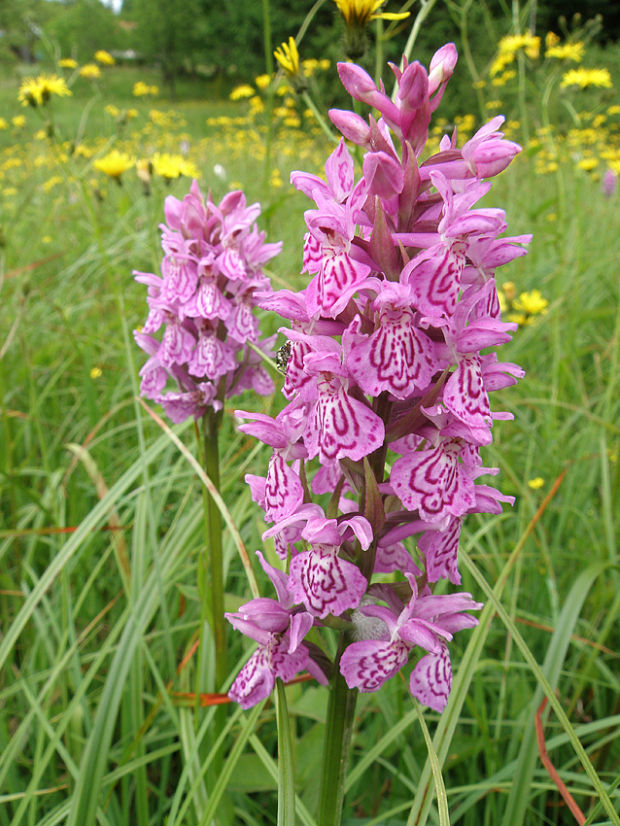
(388, 383)
(204, 300)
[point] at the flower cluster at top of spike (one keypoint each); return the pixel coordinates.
(388, 382)
(204, 300)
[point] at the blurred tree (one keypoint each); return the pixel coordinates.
(21, 23)
(77, 28)
(169, 33)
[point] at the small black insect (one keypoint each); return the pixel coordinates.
(282, 356)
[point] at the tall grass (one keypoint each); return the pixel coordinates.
(101, 532)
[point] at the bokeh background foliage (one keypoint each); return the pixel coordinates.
(101, 513)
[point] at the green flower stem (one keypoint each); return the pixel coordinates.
(336, 748)
(319, 117)
(214, 574)
(286, 765)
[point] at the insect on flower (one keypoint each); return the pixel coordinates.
(282, 356)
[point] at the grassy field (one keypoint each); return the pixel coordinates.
(101, 527)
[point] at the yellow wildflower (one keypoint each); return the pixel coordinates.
(67, 63)
(531, 303)
(3, 124)
(90, 71)
(358, 13)
(142, 89)
(241, 92)
(587, 77)
(132, 113)
(551, 39)
(52, 182)
(95, 372)
(105, 58)
(112, 110)
(172, 166)
(588, 164)
(37, 91)
(324, 64)
(262, 81)
(509, 46)
(567, 51)
(114, 163)
(19, 121)
(537, 483)
(614, 109)
(288, 57)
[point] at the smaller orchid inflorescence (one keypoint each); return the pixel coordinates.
(204, 299)
(388, 378)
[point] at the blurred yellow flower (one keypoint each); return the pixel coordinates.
(567, 51)
(531, 303)
(537, 483)
(509, 46)
(105, 58)
(132, 113)
(551, 39)
(19, 121)
(67, 63)
(588, 164)
(112, 110)
(142, 89)
(114, 163)
(587, 77)
(36, 91)
(95, 372)
(358, 13)
(52, 182)
(172, 166)
(262, 81)
(241, 92)
(90, 71)
(3, 124)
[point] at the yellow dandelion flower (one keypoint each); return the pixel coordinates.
(536, 483)
(359, 13)
(241, 92)
(114, 164)
(588, 164)
(531, 303)
(132, 113)
(112, 110)
(262, 81)
(95, 372)
(19, 121)
(613, 110)
(90, 71)
(37, 91)
(172, 166)
(142, 89)
(288, 57)
(105, 58)
(567, 51)
(67, 63)
(587, 77)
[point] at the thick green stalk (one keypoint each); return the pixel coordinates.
(214, 574)
(336, 749)
(286, 766)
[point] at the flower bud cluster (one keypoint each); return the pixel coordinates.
(388, 381)
(204, 300)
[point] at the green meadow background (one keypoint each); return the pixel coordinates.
(101, 533)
